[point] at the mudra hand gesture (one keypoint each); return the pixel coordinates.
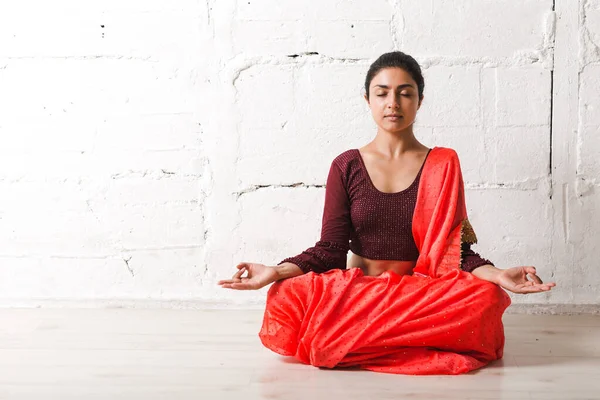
(512, 279)
(515, 280)
(259, 275)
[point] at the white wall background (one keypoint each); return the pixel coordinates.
(147, 147)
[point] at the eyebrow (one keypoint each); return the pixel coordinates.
(399, 86)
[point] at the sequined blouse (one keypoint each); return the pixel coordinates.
(372, 224)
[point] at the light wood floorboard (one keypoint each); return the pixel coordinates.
(214, 354)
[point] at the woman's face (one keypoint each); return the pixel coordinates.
(393, 92)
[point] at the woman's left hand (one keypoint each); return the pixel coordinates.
(515, 280)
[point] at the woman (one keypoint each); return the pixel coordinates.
(416, 299)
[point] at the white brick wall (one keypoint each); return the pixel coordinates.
(146, 147)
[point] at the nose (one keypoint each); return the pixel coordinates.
(394, 103)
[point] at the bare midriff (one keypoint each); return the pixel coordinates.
(377, 267)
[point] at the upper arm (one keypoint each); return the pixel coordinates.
(332, 249)
(336, 222)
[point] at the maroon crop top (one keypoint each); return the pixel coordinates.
(370, 223)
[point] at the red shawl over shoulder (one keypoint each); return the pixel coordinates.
(440, 221)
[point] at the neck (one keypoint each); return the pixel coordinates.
(395, 143)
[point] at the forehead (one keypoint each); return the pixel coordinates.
(393, 77)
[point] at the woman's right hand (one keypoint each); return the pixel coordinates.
(259, 275)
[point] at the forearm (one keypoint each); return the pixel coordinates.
(287, 270)
(487, 273)
(471, 260)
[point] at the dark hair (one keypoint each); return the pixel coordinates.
(396, 59)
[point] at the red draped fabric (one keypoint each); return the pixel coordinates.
(440, 320)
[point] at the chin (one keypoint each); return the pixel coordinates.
(393, 127)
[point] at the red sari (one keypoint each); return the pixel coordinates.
(440, 320)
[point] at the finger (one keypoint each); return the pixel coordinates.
(224, 281)
(243, 286)
(227, 286)
(534, 289)
(239, 274)
(531, 271)
(535, 278)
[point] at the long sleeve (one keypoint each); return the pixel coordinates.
(332, 249)
(471, 259)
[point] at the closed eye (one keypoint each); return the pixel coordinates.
(404, 94)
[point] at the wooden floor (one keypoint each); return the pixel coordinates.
(187, 354)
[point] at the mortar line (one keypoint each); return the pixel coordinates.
(552, 104)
